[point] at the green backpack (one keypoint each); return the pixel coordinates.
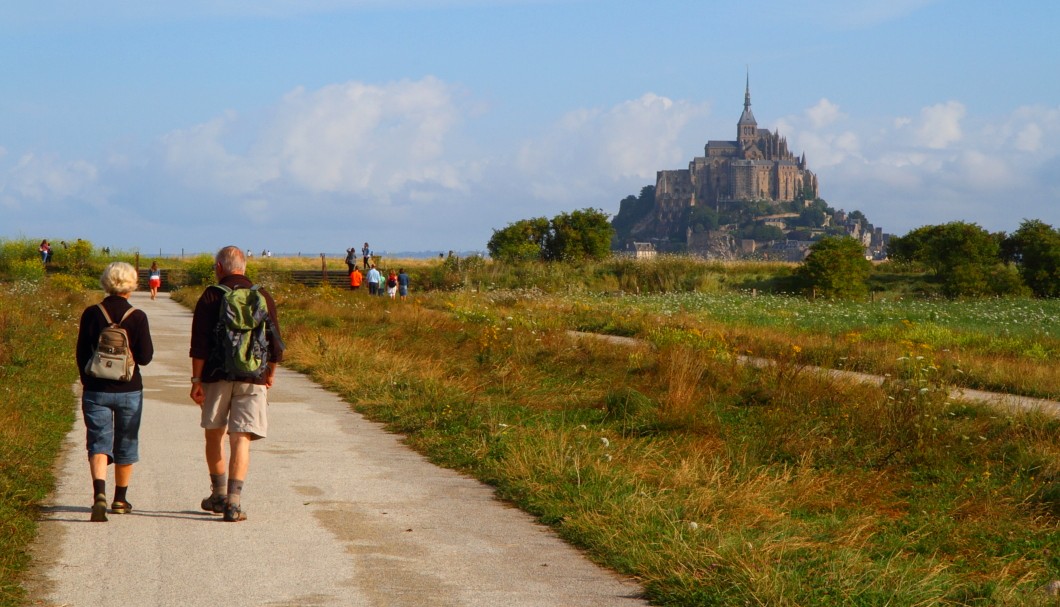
(243, 331)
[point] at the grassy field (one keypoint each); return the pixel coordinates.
(712, 482)
(38, 329)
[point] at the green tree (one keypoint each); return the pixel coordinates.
(1035, 247)
(579, 235)
(762, 232)
(520, 241)
(909, 248)
(836, 267)
(703, 219)
(963, 256)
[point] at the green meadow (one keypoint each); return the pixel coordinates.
(662, 457)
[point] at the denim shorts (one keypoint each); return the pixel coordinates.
(112, 421)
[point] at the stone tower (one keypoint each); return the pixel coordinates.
(757, 166)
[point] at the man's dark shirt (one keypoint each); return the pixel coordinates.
(204, 329)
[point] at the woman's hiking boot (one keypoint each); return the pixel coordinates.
(99, 509)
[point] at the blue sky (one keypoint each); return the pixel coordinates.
(417, 125)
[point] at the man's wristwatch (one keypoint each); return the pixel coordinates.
(196, 380)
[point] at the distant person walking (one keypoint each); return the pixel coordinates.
(351, 260)
(229, 404)
(403, 284)
(373, 280)
(45, 250)
(355, 279)
(111, 407)
(366, 255)
(154, 279)
(392, 284)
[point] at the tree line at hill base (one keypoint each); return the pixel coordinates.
(964, 259)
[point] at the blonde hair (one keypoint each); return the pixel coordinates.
(119, 278)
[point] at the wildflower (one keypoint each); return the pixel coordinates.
(693, 525)
(604, 441)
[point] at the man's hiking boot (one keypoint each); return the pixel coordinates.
(99, 509)
(120, 507)
(214, 503)
(234, 513)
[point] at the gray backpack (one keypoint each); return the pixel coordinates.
(112, 358)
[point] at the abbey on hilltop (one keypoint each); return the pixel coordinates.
(757, 166)
(739, 199)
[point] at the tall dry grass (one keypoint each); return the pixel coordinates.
(715, 483)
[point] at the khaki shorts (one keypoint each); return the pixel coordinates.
(240, 406)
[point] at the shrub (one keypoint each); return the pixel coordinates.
(66, 283)
(629, 408)
(836, 267)
(26, 269)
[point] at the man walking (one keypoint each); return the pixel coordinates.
(373, 280)
(236, 405)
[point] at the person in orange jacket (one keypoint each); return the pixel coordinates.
(355, 279)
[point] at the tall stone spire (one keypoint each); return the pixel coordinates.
(747, 128)
(747, 93)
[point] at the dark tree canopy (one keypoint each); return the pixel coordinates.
(836, 267)
(579, 235)
(520, 241)
(1035, 248)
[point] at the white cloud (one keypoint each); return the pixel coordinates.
(586, 149)
(1029, 138)
(940, 124)
(199, 157)
(351, 138)
(44, 178)
(943, 166)
(824, 114)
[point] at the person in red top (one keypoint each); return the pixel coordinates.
(356, 278)
(236, 407)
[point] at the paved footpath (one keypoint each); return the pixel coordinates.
(340, 513)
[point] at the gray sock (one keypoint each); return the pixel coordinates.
(219, 483)
(235, 491)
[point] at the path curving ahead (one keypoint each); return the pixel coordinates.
(340, 514)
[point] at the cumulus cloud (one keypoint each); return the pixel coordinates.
(940, 124)
(45, 178)
(941, 166)
(824, 114)
(586, 148)
(358, 137)
(351, 138)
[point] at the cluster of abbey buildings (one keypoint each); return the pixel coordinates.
(757, 166)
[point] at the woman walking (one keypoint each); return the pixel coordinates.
(112, 407)
(154, 280)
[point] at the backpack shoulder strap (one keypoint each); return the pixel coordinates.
(105, 315)
(223, 288)
(126, 315)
